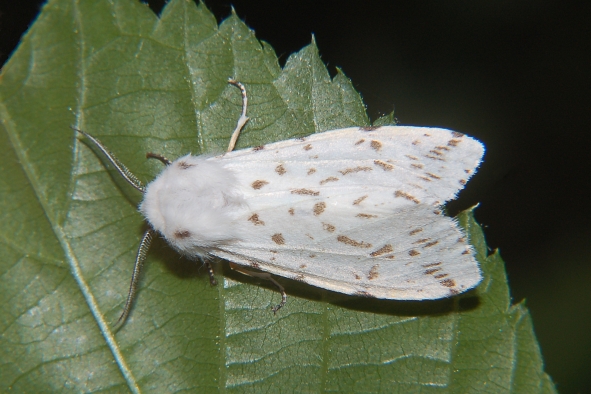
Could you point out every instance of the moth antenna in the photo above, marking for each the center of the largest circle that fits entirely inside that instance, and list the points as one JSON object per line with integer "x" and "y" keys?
{"x": 163, "y": 159}
{"x": 140, "y": 258}
{"x": 243, "y": 118}
{"x": 124, "y": 171}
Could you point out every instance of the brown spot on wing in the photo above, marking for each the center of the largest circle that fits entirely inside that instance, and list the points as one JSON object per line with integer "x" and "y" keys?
{"x": 328, "y": 227}
{"x": 415, "y": 231}
{"x": 432, "y": 243}
{"x": 359, "y": 200}
{"x": 255, "y": 265}
{"x": 278, "y": 239}
{"x": 369, "y": 128}
{"x": 431, "y": 271}
{"x": 311, "y": 171}
{"x": 365, "y": 294}
{"x": 381, "y": 251}
{"x": 417, "y": 166}
{"x": 305, "y": 192}
{"x": 448, "y": 283}
{"x": 376, "y": 145}
{"x": 319, "y": 207}
{"x": 436, "y": 152}
{"x": 355, "y": 169}
{"x": 423, "y": 240}
{"x": 366, "y": 216}
{"x": 432, "y": 264}
{"x": 256, "y": 185}
{"x": 361, "y": 141}
{"x": 433, "y": 175}
{"x": 373, "y": 272}
{"x": 255, "y": 220}
{"x": 457, "y": 134}
{"x": 462, "y": 182}
{"x": 413, "y": 252}
{"x": 280, "y": 169}
{"x": 291, "y": 211}
{"x": 308, "y": 147}
{"x": 303, "y": 266}
{"x": 407, "y": 196}
{"x": 357, "y": 276}
{"x": 440, "y": 276}
{"x": 351, "y": 242}
{"x": 329, "y": 179}
{"x": 258, "y": 148}
{"x": 385, "y": 166}
{"x": 183, "y": 165}
{"x": 434, "y": 157}
{"x": 416, "y": 142}
{"x": 442, "y": 148}
{"x": 412, "y": 157}
{"x": 453, "y": 142}
{"x": 182, "y": 234}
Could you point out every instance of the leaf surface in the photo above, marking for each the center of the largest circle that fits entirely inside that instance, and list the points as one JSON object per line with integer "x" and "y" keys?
{"x": 71, "y": 229}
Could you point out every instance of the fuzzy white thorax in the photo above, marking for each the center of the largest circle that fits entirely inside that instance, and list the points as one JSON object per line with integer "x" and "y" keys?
{"x": 192, "y": 203}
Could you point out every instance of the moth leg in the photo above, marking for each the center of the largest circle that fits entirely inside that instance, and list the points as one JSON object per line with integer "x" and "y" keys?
{"x": 212, "y": 280}
{"x": 140, "y": 258}
{"x": 163, "y": 159}
{"x": 243, "y": 118}
{"x": 267, "y": 276}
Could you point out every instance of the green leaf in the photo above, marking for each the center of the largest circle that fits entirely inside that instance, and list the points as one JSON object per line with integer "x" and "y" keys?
{"x": 70, "y": 227}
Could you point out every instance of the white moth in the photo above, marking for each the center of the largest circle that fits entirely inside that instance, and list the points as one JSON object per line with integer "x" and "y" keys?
{"x": 354, "y": 210}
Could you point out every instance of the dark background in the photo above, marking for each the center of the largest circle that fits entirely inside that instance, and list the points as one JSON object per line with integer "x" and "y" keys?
{"x": 514, "y": 74}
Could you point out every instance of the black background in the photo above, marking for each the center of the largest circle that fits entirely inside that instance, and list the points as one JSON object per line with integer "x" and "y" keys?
{"x": 514, "y": 74}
